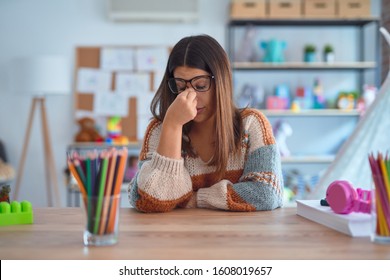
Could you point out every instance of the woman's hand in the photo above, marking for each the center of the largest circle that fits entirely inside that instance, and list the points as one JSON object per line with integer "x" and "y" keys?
{"x": 183, "y": 109}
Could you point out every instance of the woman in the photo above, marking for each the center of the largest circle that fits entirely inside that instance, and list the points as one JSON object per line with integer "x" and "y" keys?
{"x": 200, "y": 150}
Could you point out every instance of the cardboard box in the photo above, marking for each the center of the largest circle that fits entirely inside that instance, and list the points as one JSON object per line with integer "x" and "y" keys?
{"x": 354, "y": 8}
{"x": 248, "y": 9}
{"x": 285, "y": 9}
{"x": 319, "y": 8}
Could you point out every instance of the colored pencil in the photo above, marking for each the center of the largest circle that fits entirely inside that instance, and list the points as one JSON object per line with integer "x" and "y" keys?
{"x": 79, "y": 182}
{"x": 77, "y": 177}
{"x": 108, "y": 187}
{"x": 380, "y": 176}
{"x": 93, "y": 169}
{"x": 102, "y": 182}
{"x": 100, "y": 178}
{"x": 80, "y": 171}
{"x": 117, "y": 189}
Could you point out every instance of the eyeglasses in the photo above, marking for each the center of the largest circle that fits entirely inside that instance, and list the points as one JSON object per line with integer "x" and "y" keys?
{"x": 198, "y": 83}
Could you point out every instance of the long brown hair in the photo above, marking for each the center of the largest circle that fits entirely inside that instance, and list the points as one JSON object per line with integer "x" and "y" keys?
{"x": 204, "y": 52}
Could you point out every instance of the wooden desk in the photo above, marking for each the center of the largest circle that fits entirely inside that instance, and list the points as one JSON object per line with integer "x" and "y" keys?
{"x": 186, "y": 234}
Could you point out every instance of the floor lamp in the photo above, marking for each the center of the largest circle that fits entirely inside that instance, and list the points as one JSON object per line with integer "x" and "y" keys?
{"x": 39, "y": 77}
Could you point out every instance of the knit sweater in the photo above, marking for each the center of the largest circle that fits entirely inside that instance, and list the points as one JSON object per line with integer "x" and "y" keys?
{"x": 253, "y": 179}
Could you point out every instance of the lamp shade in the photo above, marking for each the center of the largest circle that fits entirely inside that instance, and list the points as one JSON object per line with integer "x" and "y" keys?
{"x": 41, "y": 75}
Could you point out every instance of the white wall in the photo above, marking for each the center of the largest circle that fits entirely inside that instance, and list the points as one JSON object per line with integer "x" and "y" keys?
{"x": 37, "y": 27}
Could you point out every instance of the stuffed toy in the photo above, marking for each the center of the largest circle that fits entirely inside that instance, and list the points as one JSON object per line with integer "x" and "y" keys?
{"x": 282, "y": 130}
{"x": 273, "y": 50}
{"x": 7, "y": 172}
{"x": 88, "y": 132}
{"x": 4, "y": 193}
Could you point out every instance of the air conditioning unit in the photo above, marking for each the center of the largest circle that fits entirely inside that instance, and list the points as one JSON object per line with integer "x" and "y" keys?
{"x": 153, "y": 10}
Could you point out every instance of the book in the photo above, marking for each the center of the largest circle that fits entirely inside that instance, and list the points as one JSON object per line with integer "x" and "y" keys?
{"x": 353, "y": 224}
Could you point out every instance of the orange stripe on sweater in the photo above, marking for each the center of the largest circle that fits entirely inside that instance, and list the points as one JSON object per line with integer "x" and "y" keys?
{"x": 236, "y": 203}
{"x": 207, "y": 180}
{"x": 149, "y": 204}
{"x": 265, "y": 125}
{"x": 262, "y": 177}
{"x": 145, "y": 146}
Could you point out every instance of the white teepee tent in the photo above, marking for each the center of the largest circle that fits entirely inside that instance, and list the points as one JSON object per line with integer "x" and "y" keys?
{"x": 372, "y": 134}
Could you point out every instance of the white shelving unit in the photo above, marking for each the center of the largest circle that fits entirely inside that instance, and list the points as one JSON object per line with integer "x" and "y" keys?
{"x": 304, "y": 65}
{"x": 308, "y": 159}
{"x": 311, "y": 113}
{"x": 317, "y": 133}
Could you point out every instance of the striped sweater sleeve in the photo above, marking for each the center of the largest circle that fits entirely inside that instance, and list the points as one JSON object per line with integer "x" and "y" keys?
{"x": 261, "y": 184}
{"x": 161, "y": 184}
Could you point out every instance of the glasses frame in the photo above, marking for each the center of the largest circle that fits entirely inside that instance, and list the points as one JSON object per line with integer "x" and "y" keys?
{"x": 211, "y": 77}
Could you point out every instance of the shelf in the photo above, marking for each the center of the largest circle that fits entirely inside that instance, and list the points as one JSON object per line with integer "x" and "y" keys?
{"x": 5, "y": 182}
{"x": 84, "y": 147}
{"x": 311, "y": 152}
{"x": 308, "y": 159}
{"x": 311, "y": 113}
{"x": 306, "y": 22}
{"x": 103, "y": 145}
{"x": 304, "y": 65}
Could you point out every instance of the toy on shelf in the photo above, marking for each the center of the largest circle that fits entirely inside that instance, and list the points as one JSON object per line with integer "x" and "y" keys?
{"x": 4, "y": 193}
{"x": 304, "y": 98}
{"x": 288, "y": 195}
{"x": 293, "y": 180}
{"x": 131, "y": 169}
{"x": 280, "y": 100}
{"x": 246, "y": 50}
{"x": 282, "y": 130}
{"x": 7, "y": 172}
{"x": 301, "y": 185}
{"x": 283, "y": 91}
{"x": 273, "y": 50}
{"x": 251, "y": 96}
{"x": 295, "y": 107}
{"x": 276, "y": 103}
{"x": 367, "y": 98}
{"x": 346, "y": 100}
{"x": 88, "y": 132}
{"x": 318, "y": 95}
{"x": 16, "y": 213}
{"x": 114, "y": 131}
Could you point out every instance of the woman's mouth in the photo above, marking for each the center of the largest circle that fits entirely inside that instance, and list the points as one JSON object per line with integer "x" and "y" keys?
{"x": 200, "y": 110}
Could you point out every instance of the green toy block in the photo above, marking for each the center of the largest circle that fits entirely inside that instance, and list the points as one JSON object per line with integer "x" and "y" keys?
{"x": 16, "y": 213}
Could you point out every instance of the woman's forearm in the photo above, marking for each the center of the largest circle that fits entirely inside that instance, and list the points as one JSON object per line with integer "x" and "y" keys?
{"x": 170, "y": 140}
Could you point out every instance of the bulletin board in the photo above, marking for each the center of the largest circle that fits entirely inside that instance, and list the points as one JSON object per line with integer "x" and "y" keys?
{"x": 150, "y": 62}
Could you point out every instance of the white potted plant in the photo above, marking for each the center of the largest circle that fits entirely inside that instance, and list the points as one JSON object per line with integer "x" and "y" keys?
{"x": 328, "y": 53}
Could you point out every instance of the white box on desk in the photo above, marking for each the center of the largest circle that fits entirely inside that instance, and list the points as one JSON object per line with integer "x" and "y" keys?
{"x": 353, "y": 224}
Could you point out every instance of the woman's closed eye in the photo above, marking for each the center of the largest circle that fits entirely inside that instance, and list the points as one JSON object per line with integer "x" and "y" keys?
{"x": 201, "y": 87}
